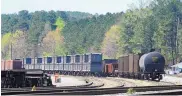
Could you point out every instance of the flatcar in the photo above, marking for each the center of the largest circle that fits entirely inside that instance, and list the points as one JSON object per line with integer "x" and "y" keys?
{"x": 14, "y": 76}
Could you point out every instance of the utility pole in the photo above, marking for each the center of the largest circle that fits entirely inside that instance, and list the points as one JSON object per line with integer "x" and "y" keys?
{"x": 11, "y": 49}
{"x": 177, "y": 47}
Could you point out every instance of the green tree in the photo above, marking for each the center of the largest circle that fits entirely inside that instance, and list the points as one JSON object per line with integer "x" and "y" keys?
{"x": 110, "y": 45}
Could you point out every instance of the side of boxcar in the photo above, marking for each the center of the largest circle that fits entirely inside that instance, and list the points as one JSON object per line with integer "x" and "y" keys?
{"x": 91, "y": 62}
{"x": 11, "y": 65}
{"x": 110, "y": 66}
{"x": 128, "y": 66}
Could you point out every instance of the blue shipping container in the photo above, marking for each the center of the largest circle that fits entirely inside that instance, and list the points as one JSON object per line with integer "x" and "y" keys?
{"x": 39, "y": 60}
{"x": 28, "y": 60}
{"x": 96, "y": 58}
{"x": 68, "y": 59}
{"x": 86, "y": 57}
{"x": 77, "y": 58}
{"x": 58, "y": 59}
{"x": 49, "y": 59}
{"x": 96, "y": 67}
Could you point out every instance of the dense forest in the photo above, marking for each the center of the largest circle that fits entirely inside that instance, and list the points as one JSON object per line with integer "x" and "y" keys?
{"x": 157, "y": 25}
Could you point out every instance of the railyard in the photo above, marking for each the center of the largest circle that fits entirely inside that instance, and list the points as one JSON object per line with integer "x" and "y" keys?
{"x": 87, "y": 74}
{"x": 61, "y": 47}
{"x": 89, "y": 85}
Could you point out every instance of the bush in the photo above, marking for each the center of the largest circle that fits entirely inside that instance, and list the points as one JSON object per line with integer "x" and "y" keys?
{"x": 131, "y": 91}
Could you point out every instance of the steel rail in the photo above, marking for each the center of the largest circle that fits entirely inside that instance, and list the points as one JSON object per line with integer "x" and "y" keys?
{"x": 94, "y": 91}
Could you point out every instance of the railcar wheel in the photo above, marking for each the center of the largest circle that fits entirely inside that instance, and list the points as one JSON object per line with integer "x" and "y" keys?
{"x": 153, "y": 79}
{"x": 142, "y": 77}
{"x": 146, "y": 77}
{"x": 160, "y": 77}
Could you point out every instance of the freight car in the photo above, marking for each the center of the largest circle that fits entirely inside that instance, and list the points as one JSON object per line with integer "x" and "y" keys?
{"x": 149, "y": 66}
{"x": 92, "y": 64}
{"x": 152, "y": 65}
{"x": 79, "y": 64}
{"x": 110, "y": 67}
{"x": 14, "y": 76}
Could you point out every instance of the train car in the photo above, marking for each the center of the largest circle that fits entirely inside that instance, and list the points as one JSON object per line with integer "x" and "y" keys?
{"x": 11, "y": 64}
{"x": 152, "y": 65}
{"x": 13, "y": 75}
{"x": 69, "y": 64}
{"x": 59, "y": 63}
{"x": 129, "y": 66}
{"x": 95, "y": 62}
{"x": 149, "y": 66}
{"x": 28, "y": 63}
{"x": 110, "y": 66}
{"x": 134, "y": 65}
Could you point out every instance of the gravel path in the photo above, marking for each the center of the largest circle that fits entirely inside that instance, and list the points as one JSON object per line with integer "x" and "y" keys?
{"x": 100, "y": 80}
{"x": 135, "y": 82}
{"x": 68, "y": 81}
{"x": 173, "y": 79}
{"x": 116, "y": 81}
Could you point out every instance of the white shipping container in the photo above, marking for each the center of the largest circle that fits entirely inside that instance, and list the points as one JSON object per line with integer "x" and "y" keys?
{"x": 56, "y": 66}
{"x": 79, "y": 67}
{"x": 60, "y": 66}
{"x": 43, "y": 67}
{"x": 30, "y": 66}
{"x": 47, "y": 66}
{"x": 73, "y": 67}
{"x": 86, "y": 67}
{"x": 70, "y": 67}
{"x": 38, "y": 66}
{"x": 65, "y": 67}
{"x": 51, "y": 66}
{"x": 25, "y": 66}
{"x": 33, "y": 61}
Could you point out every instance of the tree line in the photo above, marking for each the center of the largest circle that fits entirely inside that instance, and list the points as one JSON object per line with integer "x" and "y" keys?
{"x": 157, "y": 25}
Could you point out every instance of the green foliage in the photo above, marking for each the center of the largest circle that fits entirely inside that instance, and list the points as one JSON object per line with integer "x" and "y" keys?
{"x": 45, "y": 54}
{"x": 110, "y": 44}
{"x": 131, "y": 91}
{"x": 138, "y": 30}
{"x": 60, "y": 23}
{"x": 156, "y": 26}
{"x": 5, "y": 45}
{"x": 86, "y": 35}
{"x": 5, "y": 40}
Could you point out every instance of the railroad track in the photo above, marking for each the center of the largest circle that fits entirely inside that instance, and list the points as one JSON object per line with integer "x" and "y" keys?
{"x": 93, "y": 91}
{"x": 169, "y": 92}
{"x": 50, "y": 88}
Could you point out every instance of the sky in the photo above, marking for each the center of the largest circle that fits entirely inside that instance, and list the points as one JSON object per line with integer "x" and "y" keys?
{"x": 90, "y": 6}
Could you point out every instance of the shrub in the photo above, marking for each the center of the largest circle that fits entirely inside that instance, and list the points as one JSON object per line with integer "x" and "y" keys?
{"x": 131, "y": 91}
